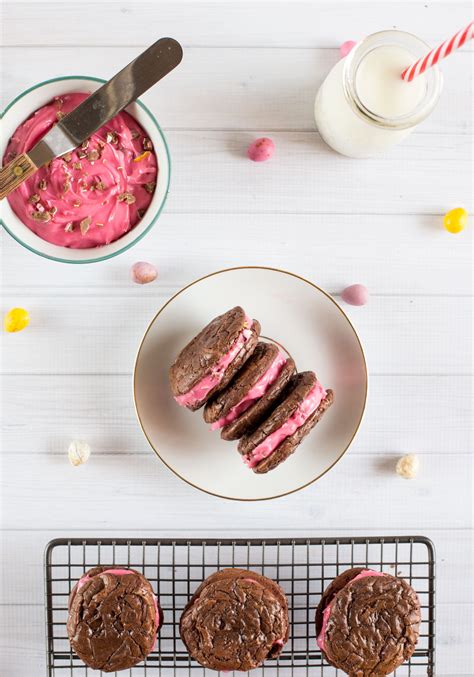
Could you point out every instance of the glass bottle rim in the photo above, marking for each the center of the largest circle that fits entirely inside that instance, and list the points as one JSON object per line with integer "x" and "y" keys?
{"x": 434, "y": 79}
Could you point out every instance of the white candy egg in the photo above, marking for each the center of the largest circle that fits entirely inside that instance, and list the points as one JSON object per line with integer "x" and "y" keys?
{"x": 78, "y": 452}
{"x": 408, "y": 466}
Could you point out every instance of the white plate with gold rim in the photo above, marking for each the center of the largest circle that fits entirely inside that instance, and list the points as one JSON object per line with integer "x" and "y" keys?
{"x": 295, "y": 313}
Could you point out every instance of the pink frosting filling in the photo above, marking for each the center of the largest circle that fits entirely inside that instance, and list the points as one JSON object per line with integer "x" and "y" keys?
{"x": 308, "y": 406}
{"x": 92, "y": 197}
{"x": 211, "y": 380}
{"x": 321, "y": 639}
{"x": 123, "y": 572}
{"x": 255, "y": 393}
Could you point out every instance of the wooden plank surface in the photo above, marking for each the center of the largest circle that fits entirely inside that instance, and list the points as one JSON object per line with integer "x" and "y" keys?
{"x": 335, "y": 250}
{"x": 270, "y": 24}
{"x": 267, "y": 89}
{"x": 250, "y": 69}
{"x": 99, "y": 333}
{"x": 116, "y": 483}
{"x": 90, "y": 404}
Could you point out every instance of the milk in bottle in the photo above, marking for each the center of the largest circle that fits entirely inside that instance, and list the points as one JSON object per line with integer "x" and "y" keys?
{"x": 364, "y": 107}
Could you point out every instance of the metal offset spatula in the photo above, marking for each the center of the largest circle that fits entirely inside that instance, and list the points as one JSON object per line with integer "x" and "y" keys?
{"x": 74, "y": 128}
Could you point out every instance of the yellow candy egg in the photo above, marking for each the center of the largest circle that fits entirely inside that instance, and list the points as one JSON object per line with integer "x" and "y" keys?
{"x": 16, "y": 319}
{"x": 455, "y": 220}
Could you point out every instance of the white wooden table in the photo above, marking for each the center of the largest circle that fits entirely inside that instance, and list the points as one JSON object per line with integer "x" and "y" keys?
{"x": 249, "y": 69}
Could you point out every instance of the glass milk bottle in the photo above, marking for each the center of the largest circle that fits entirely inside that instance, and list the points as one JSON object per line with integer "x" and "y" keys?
{"x": 364, "y": 107}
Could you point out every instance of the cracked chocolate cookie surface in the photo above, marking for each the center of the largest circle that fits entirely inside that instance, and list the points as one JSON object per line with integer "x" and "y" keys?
{"x": 373, "y": 623}
{"x": 113, "y": 619}
{"x": 236, "y": 620}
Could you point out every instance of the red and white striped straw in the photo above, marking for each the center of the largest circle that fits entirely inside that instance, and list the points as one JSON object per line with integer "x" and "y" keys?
{"x": 439, "y": 53}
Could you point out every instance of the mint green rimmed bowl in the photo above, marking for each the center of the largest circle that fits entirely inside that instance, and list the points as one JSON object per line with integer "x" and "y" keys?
{"x": 20, "y": 109}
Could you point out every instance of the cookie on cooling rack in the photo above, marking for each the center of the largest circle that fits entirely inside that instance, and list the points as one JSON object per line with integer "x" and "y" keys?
{"x": 368, "y": 622}
{"x": 236, "y": 620}
{"x": 113, "y": 618}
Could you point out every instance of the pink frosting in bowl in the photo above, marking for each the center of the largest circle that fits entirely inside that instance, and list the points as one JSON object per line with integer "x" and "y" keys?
{"x": 93, "y": 195}
{"x": 132, "y": 207}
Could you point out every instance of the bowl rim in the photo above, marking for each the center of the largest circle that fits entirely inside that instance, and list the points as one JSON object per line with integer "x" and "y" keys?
{"x": 96, "y": 259}
{"x": 305, "y": 485}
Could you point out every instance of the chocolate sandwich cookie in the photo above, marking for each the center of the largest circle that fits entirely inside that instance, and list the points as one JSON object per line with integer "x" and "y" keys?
{"x": 368, "y": 622}
{"x": 210, "y": 361}
{"x": 236, "y": 620}
{"x": 277, "y": 437}
{"x": 113, "y": 618}
{"x": 243, "y": 404}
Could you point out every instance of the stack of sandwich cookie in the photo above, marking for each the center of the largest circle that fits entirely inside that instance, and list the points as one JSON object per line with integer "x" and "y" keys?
{"x": 249, "y": 389}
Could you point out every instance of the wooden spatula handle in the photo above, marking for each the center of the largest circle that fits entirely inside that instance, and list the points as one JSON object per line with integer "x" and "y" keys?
{"x": 14, "y": 173}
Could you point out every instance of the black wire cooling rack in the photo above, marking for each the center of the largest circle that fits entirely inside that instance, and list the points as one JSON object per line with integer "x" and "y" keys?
{"x": 175, "y": 568}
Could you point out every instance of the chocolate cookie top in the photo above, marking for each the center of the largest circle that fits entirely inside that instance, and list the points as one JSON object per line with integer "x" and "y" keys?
{"x": 373, "y": 624}
{"x": 236, "y": 620}
{"x": 201, "y": 356}
{"x": 333, "y": 588}
{"x": 113, "y": 619}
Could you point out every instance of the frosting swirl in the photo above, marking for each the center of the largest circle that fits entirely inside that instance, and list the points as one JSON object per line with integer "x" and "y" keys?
{"x": 93, "y": 195}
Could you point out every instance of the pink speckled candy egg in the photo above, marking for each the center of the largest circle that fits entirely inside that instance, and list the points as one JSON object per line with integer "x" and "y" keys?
{"x": 355, "y": 295}
{"x": 261, "y": 149}
{"x": 346, "y": 47}
{"x": 143, "y": 272}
